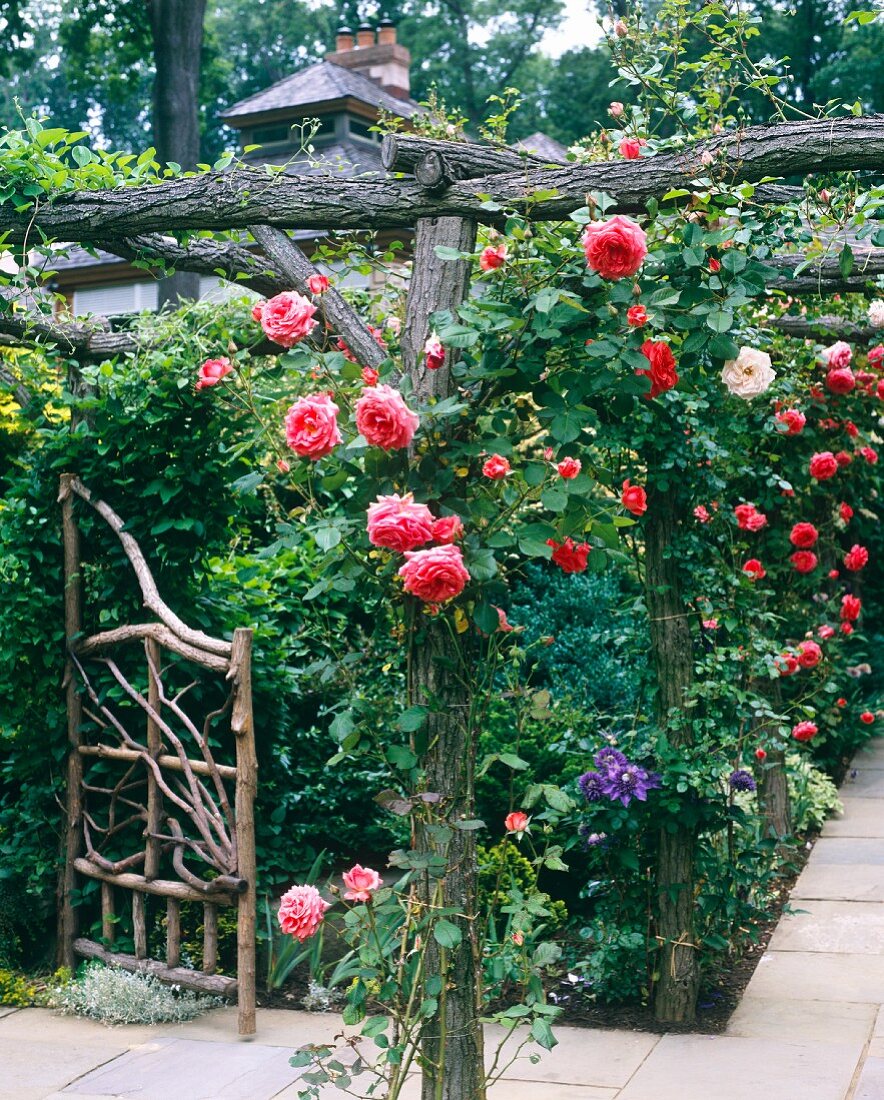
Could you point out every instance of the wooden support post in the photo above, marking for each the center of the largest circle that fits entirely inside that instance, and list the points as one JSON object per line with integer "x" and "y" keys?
{"x": 451, "y": 1040}
{"x": 139, "y": 923}
{"x": 108, "y": 917}
{"x": 675, "y": 998}
{"x": 173, "y": 932}
{"x": 155, "y": 748}
{"x": 73, "y": 830}
{"x": 210, "y": 938}
{"x": 242, "y": 724}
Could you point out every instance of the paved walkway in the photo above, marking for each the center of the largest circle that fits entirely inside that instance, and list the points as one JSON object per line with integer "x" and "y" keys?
{"x": 810, "y": 1027}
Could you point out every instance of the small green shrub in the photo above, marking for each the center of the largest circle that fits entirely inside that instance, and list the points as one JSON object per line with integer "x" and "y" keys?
{"x": 812, "y": 793}
{"x": 118, "y": 997}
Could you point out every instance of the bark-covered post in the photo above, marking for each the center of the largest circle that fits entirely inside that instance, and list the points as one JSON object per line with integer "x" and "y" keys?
{"x": 451, "y": 1041}
{"x": 177, "y": 31}
{"x": 242, "y": 724}
{"x": 73, "y": 626}
{"x": 773, "y": 789}
{"x": 678, "y": 983}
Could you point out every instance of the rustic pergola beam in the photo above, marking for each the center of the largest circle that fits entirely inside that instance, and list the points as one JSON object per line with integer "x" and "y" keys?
{"x": 828, "y": 326}
{"x": 247, "y": 196}
{"x": 288, "y": 259}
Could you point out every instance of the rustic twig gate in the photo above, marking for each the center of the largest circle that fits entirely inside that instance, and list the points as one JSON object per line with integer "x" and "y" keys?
{"x": 178, "y": 804}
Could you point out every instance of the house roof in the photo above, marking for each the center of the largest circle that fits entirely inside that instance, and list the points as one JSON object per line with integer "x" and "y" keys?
{"x": 543, "y": 146}
{"x": 340, "y": 158}
{"x": 319, "y": 83}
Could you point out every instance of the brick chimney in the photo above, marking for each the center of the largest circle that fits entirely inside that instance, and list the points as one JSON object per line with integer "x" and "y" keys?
{"x": 382, "y": 59}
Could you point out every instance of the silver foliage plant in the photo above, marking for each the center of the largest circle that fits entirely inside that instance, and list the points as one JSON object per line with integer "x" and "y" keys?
{"x": 118, "y": 997}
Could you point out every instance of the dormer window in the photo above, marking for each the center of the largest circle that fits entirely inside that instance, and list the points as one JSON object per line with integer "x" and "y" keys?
{"x": 285, "y": 133}
{"x": 359, "y": 128}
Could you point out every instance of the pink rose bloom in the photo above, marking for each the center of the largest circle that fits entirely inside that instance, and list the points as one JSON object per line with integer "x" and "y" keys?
{"x": 616, "y": 109}
{"x": 631, "y": 148}
{"x": 749, "y": 518}
{"x": 805, "y": 731}
{"x": 809, "y": 654}
{"x": 569, "y": 468}
{"x": 257, "y": 310}
{"x": 851, "y": 606}
{"x": 370, "y": 376}
{"x": 840, "y": 380}
{"x": 212, "y": 371}
{"x": 384, "y": 419}
{"x": 496, "y": 468}
{"x": 311, "y": 426}
{"x": 710, "y": 624}
{"x": 701, "y": 512}
{"x": 825, "y": 632}
{"x": 794, "y": 420}
{"x": 288, "y": 318}
{"x": 492, "y": 257}
{"x": 837, "y": 356}
{"x": 361, "y": 883}
{"x": 398, "y": 523}
{"x": 823, "y": 465}
{"x": 503, "y": 624}
{"x": 434, "y": 352}
{"x": 447, "y": 529}
{"x": 516, "y": 822}
{"x": 435, "y": 575}
{"x": 301, "y": 910}
{"x": 318, "y": 284}
{"x": 869, "y": 454}
{"x": 847, "y": 628}
{"x": 615, "y": 248}
{"x": 843, "y": 458}
{"x": 856, "y": 558}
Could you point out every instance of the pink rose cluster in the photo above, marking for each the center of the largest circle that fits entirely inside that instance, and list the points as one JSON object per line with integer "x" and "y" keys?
{"x": 399, "y": 523}
{"x": 302, "y": 908}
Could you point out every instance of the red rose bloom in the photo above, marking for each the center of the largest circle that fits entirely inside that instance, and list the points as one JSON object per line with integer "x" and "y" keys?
{"x": 318, "y": 284}
{"x": 842, "y": 702}
{"x": 809, "y": 654}
{"x": 636, "y": 316}
{"x": 846, "y": 512}
{"x": 370, "y": 376}
{"x": 701, "y": 512}
{"x": 786, "y": 664}
{"x": 754, "y": 570}
{"x": 794, "y": 420}
{"x": 851, "y": 606}
{"x": 851, "y": 428}
{"x": 569, "y": 556}
{"x": 804, "y": 561}
{"x": 804, "y": 535}
{"x": 805, "y": 731}
{"x": 492, "y": 257}
{"x": 847, "y": 628}
{"x": 823, "y": 465}
{"x": 631, "y": 148}
{"x": 867, "y": 717}
{"x": 869, "y": 454}
{"x": 844, "y": 458}
{"x": 760, "y": 754}
{"x": 662, "y": 371}
{"x": 569, "y": 468}
{"x": 876, "y": 355}
{"x": 856, "y": 558}
{"x": 840, "y": 381}
{"x": 634, "y": 499}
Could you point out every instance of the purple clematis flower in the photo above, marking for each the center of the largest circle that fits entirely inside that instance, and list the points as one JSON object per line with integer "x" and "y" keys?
{"x": 609, "y": 757}
{"x": 592, "y": 784}
{"x": 629, "y": 781}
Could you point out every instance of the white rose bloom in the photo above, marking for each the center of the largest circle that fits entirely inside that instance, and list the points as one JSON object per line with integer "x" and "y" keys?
{"x": 749, "y": 375}
{"x": 876, "y": 313}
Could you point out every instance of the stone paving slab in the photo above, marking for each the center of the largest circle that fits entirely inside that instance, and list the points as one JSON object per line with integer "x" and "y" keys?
{"x": 854, "y": 849}
{"x": 819, "y": 976}
{"x": 722, "y": 1067}
{"x": 856, "y": 927}
{"x": 196, "y": 1069}
{"x": 31, "y": 1070}
{"x": 871, "y": 1080}
{"x": 862, "y": 817}
{"x": 838, "y": 882}
{"x": 843, "y": 1024}
{"x": 869, "y": 783}
{"x": 7, "y": 1010}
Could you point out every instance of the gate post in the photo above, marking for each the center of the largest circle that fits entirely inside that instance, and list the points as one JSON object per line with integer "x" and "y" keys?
{"x": 246, "y": 786}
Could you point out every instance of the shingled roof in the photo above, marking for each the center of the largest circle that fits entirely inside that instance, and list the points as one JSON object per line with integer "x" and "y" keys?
{"x": 320, "y": 83}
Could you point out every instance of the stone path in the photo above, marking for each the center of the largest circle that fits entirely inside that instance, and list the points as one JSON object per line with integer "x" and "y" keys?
{"x": 810, "y": 1026}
